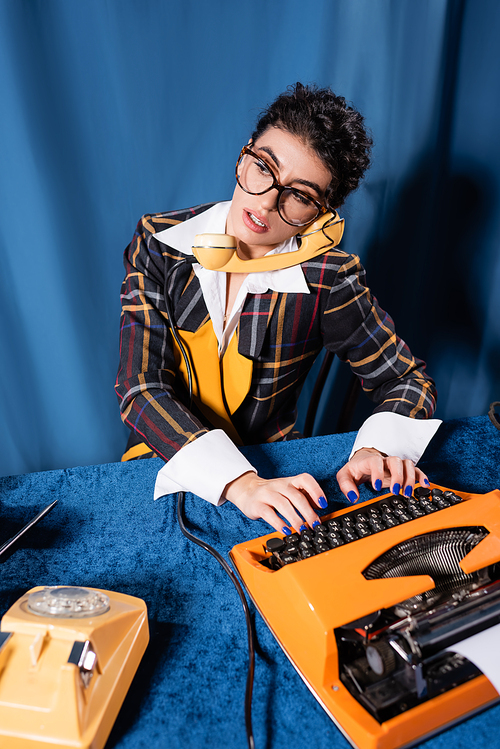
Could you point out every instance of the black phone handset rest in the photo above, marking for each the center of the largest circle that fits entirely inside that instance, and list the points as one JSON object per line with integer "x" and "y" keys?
{"x": 218, "y": 251}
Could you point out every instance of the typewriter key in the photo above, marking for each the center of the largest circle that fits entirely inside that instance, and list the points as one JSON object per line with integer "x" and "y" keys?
{"x": 363, "y": 531}
{"x": 333, "y": 525}
{"x": 320, "y": 548}
{"x": 306, "y": 553}
{"x": 334, "y": 538}
{"x": 441, "y": 503}
{"x": 305, "y": 545}
{"x": 427, "y": 506}
{"x": 349, "y": 535}
{"x": 334, "y": 542}
{"x": 288, "y": 558}
{"x": 275, "y": 544}
{"x": 452, "y": 497}
{"x": 421, "y": 491}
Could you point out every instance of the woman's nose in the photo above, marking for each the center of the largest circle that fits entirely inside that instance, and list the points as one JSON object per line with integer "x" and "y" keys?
{"x": 269, "y": 200}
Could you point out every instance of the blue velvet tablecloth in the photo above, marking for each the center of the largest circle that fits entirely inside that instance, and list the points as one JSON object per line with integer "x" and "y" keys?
{"x": 107, "y": 532}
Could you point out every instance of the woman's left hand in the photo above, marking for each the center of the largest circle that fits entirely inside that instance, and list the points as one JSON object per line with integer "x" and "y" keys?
{"x": 381, "y": 470}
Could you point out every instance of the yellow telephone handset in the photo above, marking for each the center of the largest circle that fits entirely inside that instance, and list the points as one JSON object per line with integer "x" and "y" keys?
{"x": 218, "y": 251}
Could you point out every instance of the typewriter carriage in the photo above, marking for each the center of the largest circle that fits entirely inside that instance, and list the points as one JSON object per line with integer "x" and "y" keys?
{"x": 397, "y": 658}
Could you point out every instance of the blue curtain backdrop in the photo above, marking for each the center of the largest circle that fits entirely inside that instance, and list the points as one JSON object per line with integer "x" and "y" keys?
{"x": 114, "y": 108}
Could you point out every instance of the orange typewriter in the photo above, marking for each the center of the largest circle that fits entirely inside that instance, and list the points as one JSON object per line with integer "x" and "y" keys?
{"x": 369, "y": 606}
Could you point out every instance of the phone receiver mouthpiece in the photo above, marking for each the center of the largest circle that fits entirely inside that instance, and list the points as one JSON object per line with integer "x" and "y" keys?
{"x": 213, "y": 251}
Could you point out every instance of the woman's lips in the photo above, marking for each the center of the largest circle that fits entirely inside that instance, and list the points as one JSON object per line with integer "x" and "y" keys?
{"x": 252, "y": 225}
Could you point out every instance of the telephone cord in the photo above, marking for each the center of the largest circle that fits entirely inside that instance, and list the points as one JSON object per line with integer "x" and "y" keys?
{"x": 180, "y": 518}
{"x": 251, "y": 648}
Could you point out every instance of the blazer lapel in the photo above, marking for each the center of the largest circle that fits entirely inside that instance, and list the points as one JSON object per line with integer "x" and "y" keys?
{"x": 255, "y": 318}
{"x": 190, "y": 309}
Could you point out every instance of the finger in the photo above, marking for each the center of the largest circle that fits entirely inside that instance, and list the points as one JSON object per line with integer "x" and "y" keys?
{"x": 396, "y": 470}
{"x": 374, "y": 466}
{"x": 268, "y": 514}
{"x": 292, "y": 502}
{"x": 307, "y": 484}
{"x": 347, "y": 485}
{"x": 270, "y": 502}
{"x": 409, "y": 477}
{"x": 421, "y": 477}
{"x": 311, "y": 496}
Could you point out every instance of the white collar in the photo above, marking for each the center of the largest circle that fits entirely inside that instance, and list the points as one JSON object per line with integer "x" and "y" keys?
{"x": 213, "y": 221}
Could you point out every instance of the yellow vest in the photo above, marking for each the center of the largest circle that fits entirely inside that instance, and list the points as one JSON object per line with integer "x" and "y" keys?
{"x": 219, "y": 385}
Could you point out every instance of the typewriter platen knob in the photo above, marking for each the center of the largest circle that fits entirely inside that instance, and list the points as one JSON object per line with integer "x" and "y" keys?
{"x": 381, "y": 658}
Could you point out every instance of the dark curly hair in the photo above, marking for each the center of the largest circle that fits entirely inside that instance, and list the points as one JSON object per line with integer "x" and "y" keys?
{"x": 334, "y": 130}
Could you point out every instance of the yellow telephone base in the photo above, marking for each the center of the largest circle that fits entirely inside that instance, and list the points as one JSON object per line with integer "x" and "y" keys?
{"x": 46, "y": 699}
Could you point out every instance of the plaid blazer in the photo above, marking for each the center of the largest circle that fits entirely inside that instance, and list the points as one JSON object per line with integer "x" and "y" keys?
{"x": 281, "y": 332}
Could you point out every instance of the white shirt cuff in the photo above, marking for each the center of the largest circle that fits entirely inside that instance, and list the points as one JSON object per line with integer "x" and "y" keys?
{"x": 203, "y": 467}
{"x": 394, "y": 434}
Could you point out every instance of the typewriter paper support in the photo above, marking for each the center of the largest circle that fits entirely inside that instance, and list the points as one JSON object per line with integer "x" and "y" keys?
{"x": 370, "y": 625}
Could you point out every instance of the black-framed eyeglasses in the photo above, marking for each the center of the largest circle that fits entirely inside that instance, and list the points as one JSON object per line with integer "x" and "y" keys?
{"x": 256, "y": 177}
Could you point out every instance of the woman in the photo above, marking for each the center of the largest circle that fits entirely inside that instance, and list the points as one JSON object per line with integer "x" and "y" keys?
{"x": 253, "y": 337}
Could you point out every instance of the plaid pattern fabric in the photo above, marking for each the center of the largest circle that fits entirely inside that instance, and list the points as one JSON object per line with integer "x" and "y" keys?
{"x": 281, "y": 332}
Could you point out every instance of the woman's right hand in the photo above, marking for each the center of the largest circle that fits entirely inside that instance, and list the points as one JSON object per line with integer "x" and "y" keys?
{"x": 293, "y": 497}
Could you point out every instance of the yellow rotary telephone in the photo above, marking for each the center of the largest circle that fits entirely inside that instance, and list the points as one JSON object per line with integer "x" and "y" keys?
{"x": 67, "y": 658}
{"x": 218, "y": 251}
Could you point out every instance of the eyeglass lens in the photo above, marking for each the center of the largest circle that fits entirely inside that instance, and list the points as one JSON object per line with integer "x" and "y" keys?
{"x": 255, "y": 177}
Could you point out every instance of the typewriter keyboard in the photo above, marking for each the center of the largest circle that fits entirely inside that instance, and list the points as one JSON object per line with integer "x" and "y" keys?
{"x": 357, "y": 524}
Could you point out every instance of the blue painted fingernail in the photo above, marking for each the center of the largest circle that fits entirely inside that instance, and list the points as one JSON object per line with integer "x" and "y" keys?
{"x": 303, "y": 528}
{"x": 322, "y": 502}
{"x": 286, "y": 530}
{"x": 426, "y": 482}
{"x": 396, "y": 489}
{"x": 352, "y": 496}
{"x": 378, "y": 485}
{"x": 316, "y": 524}
{"x": 408, "y": 491}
